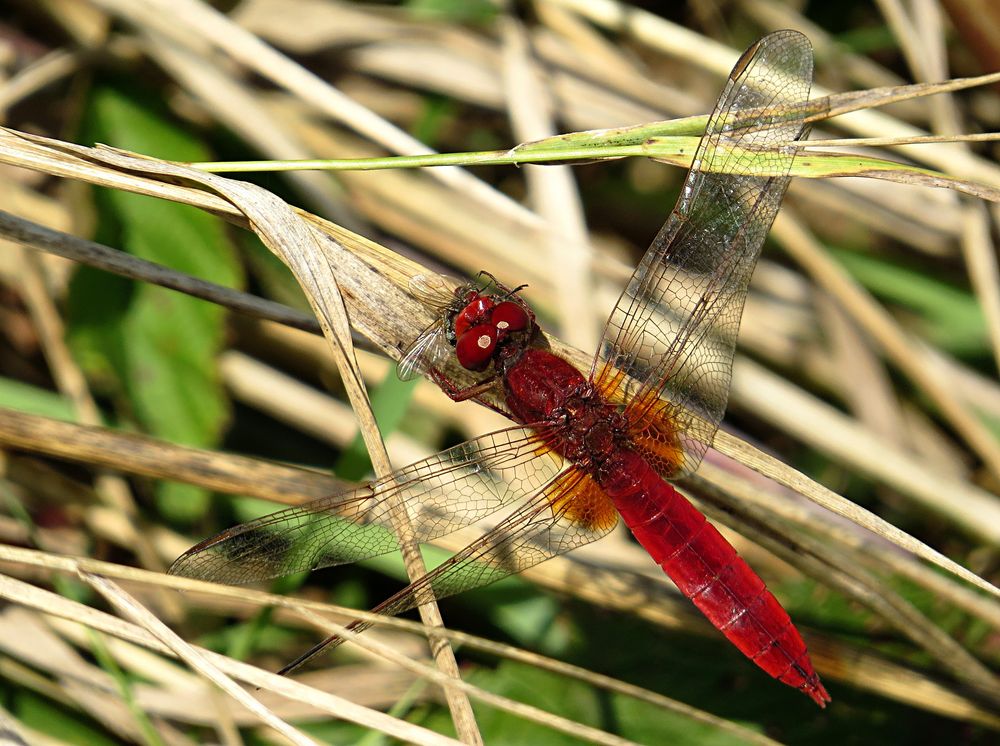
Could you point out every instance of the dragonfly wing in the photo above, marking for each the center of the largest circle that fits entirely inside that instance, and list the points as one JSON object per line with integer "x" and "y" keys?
{"x": 440, "y": 494}
{"x": 427, "y": 352}
{"x": 430, "y": 349}
{"x": 672, "y": 334}
{"x": 435, "y": 291}
{"x": 570, "y": 511}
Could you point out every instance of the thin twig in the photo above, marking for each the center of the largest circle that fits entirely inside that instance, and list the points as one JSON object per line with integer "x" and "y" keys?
{"x": 102, "y": 257}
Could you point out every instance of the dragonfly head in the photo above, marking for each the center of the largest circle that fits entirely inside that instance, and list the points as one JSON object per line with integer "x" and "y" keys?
{"x": 488, "y": 324}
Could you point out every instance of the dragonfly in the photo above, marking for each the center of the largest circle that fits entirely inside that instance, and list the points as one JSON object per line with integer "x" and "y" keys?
{"x": 586, "y": 450}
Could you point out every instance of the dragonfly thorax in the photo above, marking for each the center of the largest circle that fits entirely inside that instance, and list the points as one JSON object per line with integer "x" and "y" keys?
{"x": 592, "y": 429}
{"x": 544, "y": 388}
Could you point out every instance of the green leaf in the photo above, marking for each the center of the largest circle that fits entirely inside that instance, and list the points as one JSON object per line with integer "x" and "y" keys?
{"x": 389, "y": 404}
{"x": 155, "y": 349}
{"x": 556, "y": 694}
{"x": 454, "y": 11}
{"x": 27, "y": 398}
{"x": 436, "y": 113}
{"x": 868, "y": 39}
{"x": 948, "y": 316}
{"x": 646, "y": 723}
{"x": 532, "y": 622}
{"x": 60, "y": 723}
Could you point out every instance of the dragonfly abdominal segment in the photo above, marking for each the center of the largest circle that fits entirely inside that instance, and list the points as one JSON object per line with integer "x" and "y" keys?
{"x": 706, "y": 569}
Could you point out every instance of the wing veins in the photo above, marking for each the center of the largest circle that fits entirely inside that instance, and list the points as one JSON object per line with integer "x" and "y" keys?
{"x": 676, "y": 322}
{"x": 310, "y": 536}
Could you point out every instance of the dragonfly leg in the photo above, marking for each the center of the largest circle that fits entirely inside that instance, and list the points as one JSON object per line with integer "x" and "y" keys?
{"x": 475, "y": 391}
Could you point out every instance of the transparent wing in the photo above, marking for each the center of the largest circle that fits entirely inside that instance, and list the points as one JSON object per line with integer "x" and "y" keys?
{"x": 434, "y": 290}
{"x": 440, "y": 494}
{"x": 430, "y": 349}
{"x": 572, "y": 510}
{"x": 427, "y": 352}
{"x": 672, "y": 334}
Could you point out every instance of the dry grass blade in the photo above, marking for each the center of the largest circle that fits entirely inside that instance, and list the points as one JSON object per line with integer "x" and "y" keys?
{"x": 785, "y": 475}
{"x": 48, "y": 69}
{"x": 151, "y": 457}
{"x": 845, "y": 103}
{"x": 981, "y": 259}
{"x": 129, "y": 607}
{"x": 11, "y": 731}
{"x": 51, "y": 603}
{"x": 880, "y": 142}
{"x": 905, "y": 175}
{"x": 528, "y": 712}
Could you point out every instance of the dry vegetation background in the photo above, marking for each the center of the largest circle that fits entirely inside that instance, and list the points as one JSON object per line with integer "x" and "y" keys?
{"x": 136, "y": 420}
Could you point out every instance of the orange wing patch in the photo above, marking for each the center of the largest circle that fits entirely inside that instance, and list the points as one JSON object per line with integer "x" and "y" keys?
{"x": 610, "y": 381}
{"x": 575, "y": 496}
{"x": 652, "y": 423}
{"x": 654, "y": 434}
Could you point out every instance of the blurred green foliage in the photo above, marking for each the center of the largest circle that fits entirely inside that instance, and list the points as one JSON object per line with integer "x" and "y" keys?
{"x": 944, "y": 314}
{"x": 454, "y": 11}
{"x": 154, "y": 349}
{"x": 33, "y": 400}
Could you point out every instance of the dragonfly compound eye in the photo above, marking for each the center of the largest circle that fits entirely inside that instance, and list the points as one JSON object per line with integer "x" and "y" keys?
{"x": 474, "y": 313}
{"x": 475, "y": 348}
{"x": 509, "y": 317}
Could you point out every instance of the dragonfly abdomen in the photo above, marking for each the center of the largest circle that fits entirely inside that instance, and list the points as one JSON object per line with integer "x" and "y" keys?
{"x": 707, "y": 569}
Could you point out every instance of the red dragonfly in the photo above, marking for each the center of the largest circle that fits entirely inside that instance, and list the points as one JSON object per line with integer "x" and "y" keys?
{"x": 588, "y": 449}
